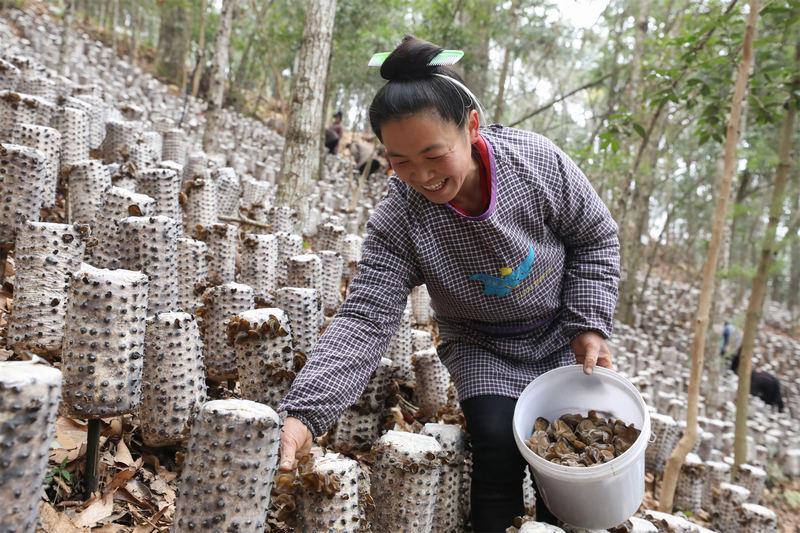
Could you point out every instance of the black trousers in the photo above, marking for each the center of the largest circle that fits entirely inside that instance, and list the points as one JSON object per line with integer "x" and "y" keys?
{"x": 497, "y": 466}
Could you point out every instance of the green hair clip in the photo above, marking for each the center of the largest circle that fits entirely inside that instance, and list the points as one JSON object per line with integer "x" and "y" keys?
{"x": 445, "y": 57}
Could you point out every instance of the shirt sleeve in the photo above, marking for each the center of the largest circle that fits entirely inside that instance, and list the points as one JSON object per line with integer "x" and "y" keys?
{"x": 347, "y": 354}
{"x": 590, "y": 236}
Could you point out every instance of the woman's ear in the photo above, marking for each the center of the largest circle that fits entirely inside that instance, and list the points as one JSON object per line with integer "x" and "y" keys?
{"x": 473, "y": 124}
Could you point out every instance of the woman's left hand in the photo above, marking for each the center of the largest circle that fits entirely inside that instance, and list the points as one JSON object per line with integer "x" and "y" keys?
{"x": 591, "y": 349}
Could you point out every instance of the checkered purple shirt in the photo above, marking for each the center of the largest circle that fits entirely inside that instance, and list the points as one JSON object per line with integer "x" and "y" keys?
{"x": 510, "y": 288}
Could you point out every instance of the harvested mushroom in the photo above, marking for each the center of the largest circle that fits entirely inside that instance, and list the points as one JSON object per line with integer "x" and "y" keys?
{"x": 575, "y": 440}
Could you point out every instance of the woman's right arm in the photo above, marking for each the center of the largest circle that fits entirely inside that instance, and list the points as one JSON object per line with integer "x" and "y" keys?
{"x": 347, "y": 354}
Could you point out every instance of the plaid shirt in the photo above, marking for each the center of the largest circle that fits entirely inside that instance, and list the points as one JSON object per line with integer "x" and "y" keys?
{"x": 510, "y": 288}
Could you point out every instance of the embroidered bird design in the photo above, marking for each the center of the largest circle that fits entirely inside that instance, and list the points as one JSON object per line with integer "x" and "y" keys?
{"x": 509, "y": 278}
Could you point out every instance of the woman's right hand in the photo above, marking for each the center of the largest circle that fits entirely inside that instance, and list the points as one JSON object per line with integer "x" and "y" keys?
{"x": 296, "y": 441}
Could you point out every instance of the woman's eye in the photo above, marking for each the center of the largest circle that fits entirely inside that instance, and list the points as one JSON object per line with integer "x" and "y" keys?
{"x": 434, "y": 158}
{"x": 397, "y": 163}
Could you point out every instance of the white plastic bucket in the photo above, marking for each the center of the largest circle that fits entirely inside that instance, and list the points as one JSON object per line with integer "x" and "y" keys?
{"x": 595, "y": 497}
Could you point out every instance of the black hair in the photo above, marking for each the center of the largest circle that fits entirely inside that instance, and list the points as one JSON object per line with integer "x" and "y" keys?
{"x": 414, "y": 86}
{"x": 338, "y": 114}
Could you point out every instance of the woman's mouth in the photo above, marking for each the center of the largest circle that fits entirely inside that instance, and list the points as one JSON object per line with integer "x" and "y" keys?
{"x": 436, "y": 186}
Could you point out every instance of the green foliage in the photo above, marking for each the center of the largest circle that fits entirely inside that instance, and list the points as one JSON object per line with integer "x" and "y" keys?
{"x": 59, "y": 472}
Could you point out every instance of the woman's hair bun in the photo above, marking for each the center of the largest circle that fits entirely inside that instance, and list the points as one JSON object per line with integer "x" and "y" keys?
{"x": 409, "y": 61}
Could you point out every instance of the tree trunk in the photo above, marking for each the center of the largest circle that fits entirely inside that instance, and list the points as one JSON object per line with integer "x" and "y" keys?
{"x": 201, "y": 50}
{"x": 135, "y": 14}
{"x": 476, "y": 60}
{"x": 300, "y": 162}
{"x": 172, "y": 42}
{"x": 630, "y": 231}
{"x": 755, "y": 305}
{"x": 710, "y": 267}
{"x": 499, "y": 103}
{"x": 112, "y": 27}
{"x": 63, "y": 49}
{"x": 794, "y": 257}
{"x": 219, "y": 69}
{"x": 244, "y": 62}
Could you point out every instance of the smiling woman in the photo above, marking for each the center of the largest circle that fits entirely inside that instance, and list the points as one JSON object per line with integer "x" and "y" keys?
{"x": 518, "y": 253}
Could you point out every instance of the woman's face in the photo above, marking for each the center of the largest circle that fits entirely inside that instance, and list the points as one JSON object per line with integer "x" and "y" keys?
{"x": 431, "y": 155}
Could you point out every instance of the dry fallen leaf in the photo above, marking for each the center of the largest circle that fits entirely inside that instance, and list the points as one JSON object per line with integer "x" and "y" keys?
{"x": 123, "y": 455}
{"x": 97, "y": 511}
{"x": 168, "y": 475}
{"x": 120, "y": 479}
{"x": 111, "y": 528}
{"x": 52, "y": 521}
{"x": 70, "y": 433}
{"x": 161, "y": 487}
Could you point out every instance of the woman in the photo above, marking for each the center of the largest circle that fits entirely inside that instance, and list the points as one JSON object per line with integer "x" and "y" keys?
{"x": 519, "y": 255}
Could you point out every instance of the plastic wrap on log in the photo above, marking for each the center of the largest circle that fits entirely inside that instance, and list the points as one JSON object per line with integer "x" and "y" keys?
{"x": 9, "y": 75}
{"x": 29, "y": 398}
{"x": 361, "y": 424}
{"x": 164, "y": 186}
{"x": 150, "y": 245}
{"x": 73, "y": 124}
{"x": 173, "y": 379}
{"x": 89, "y": 183}
{"x": 228, "y": 189}
{"x": 289, "y": 245}
{"x": 46, "y": 255}
{"x": 400, "y": 349}
{"x": 229, "y": 468}
{"x": 200, "y": 204}
{"x": 22, "y": 177}
{"x": 104, "y": 342}
{"x": 433, "y": 382}
{"x": 305, "y": 271}
{"x": 305, "y": 312}
{"x": 222, "y": 242}
{"x": 192, "y": 273}
{"x": 447, "y": 516}
{"x": 19, "y": 108}
{"x": 259, "y": 262}
{"x": 332, "y": 272}
{"x": 120, "y": 203}
{"x": 405, "y": 482}
{"x": 48, "y": 142}
{"x": 175, "y": 146}
{"x": 262, "y": 339}
{"x": 220, "y": 304}
{"x": 120, "y": 136}
{"x": 329, "y": 497}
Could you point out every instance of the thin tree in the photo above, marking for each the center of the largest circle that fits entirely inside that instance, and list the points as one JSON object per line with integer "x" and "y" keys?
{"x": 201, "y": 50}
{"x": 219, "y": 70}
{"x": 63, "y": 49}
{"x": 769, "y": 248}
{"x": 172, "y": 31}
{"x": 723, "y": 187}
{"x": 300, "y": 162}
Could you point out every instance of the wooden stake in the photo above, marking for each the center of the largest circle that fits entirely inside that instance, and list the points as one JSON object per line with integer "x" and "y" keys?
{"x": 3, "y": 256}
{"x": 92, "y": 456}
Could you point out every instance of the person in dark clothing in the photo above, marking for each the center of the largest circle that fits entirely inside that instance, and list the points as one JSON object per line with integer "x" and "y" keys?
{"x": 762, "y": 384}
{"x": 333, "y": 133}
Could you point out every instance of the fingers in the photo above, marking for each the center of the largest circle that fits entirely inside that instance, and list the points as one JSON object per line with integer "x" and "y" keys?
{"x": 288, "y": 450}
{"x": 295, "y": 443}
{"x": 605, "y": 358}
{"x": 590, "y": 360}
{"x": 591, "y": 350}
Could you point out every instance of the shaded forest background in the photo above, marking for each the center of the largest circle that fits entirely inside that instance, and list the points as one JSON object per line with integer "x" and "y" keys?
{"x": 639, "y": 99}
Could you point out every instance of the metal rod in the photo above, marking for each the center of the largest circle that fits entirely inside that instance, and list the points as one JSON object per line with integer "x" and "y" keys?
{"x": 3, "y": 256}
{"x": 92, "y": 456}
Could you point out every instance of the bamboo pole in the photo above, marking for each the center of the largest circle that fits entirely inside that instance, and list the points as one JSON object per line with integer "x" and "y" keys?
{"x": 723, "y": 188}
